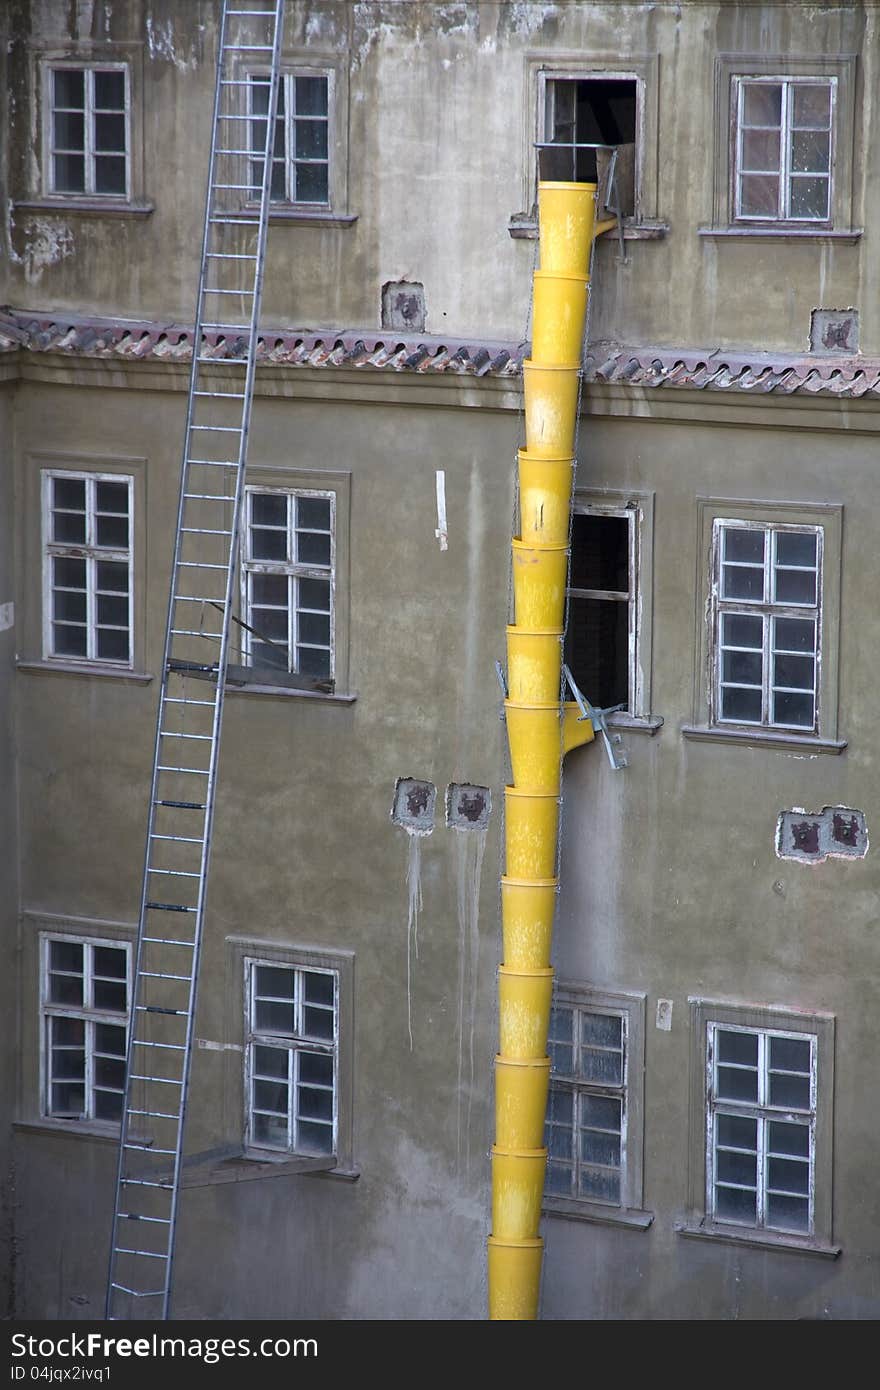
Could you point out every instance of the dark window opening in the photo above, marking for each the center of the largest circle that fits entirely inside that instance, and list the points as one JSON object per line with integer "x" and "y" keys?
{"x": 597, "y": 639}
{"x": 582, "y": 113}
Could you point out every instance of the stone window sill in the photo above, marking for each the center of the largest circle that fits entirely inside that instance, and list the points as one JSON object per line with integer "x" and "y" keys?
{"x": 649, "y": 724}
{"x": 526, "y": 229}
{"x": 758, "y": 1239}
{"x": 847, "y": 235}
{"x": 89, "y": 207}
{"x": 71, "y": 1129}
{"x": 74, "y": 668}
{"x": 567, "y": 1209}
{"x": 290, "y": 692}
{"x": 249, "y": 1165}
{"x": 764, "y": 738}
{"x": 303, "y": 217}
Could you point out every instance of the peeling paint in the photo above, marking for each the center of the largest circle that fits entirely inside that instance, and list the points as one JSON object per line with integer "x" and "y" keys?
{"x": 161, "y": 46}
{"x": 47, "y": 242}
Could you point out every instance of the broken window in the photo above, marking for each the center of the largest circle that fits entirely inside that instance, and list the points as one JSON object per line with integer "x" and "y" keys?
{"x": 87, "y": 571}
{"x": 292, "y": 1053}
{"x": 761, "y": 1127}
{"x": 88, "y": 130}
{"x": 301, "y": 149}
{"x": 601, "y": 631}
{"x": 84, "y": 1006}
{"x": 288, "y": 569}
{"x": 768, "y": 594}
{"x": 581, "y": 113}
{"x": 783, "y": 148}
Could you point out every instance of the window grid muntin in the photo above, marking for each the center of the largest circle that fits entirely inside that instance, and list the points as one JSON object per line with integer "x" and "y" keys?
{"x": 785, "y": 174}
{"x": 286, "y": 121}
{"x": 294, "y": 571}
{"x": 91, "y": 554}
{"x": 630, "y": 597}
{"x": 90, "y": 111}
{"x": 91, "y": 1016}
{"x": 764, "y": 1114}
{"x": 295, "y": 1045}
{"x": 579, "y": 1088}
{"x": 770, "y": 612}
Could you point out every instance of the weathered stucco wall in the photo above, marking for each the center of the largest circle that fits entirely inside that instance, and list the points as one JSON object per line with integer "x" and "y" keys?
{"x": 8, "y": 837}
{"x": 436, "y": 121}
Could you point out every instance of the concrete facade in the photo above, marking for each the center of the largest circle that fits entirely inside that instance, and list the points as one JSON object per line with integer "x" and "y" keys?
{"x": 672, "y": 886}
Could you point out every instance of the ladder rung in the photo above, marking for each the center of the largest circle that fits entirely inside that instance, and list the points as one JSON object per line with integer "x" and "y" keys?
{"x": 148, "y": 1148}
{"x": 203, "y": 738}
{"x": 218, "y": 429}
{"x": 136, "y": 1215}
{"x": 178, "y": 700}
{"x": 184, "y": 805}
{"x": 179, "y": 839}
{"x": 230, "y": 255}
{"x": 205, "y": 530}
{"x": 165, "y": 941}
{"x": 166, "y": 1047}
{"x": 247, "y": 48}
{"x": 155, "y": 1009}
{"x": 215, "y": 463}
{"x": 149, "y": 1254}
{"x": 209, "y": 289}
{"x": 234, "y": 82}
{"x": 261, "y": 14}
{"x": 200, "y": 565}
{"x": 231, "y": 328}
{"x": 142, "y": 1293}
{"x": 177, "y": 667}
{"x": 231, "y": 188}
{"x": 158, "y": 975}
{"x": 168, "y": 907}
{"x": 175, "y": 873}
{"x": 190, "y": 771}
{"x": 231, "y": 221}
{"x": 165, "y": 1081}
{"x": 208, "y": 497}
{"x": 220, "y": 396}
{"x": 192, "y": 632}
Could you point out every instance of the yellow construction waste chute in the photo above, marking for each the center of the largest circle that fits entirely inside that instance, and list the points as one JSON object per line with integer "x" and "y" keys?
{"x": 541, "y": 729}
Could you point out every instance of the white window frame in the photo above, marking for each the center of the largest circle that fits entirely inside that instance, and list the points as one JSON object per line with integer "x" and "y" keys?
{"x": 90, "y": 1015}
{"x": 783, "y": 214}
{"x": 763, "y": 1113}
{"x": 630, "y": 1009}
{"x": 88, "y": 69}
{"x": 630, "y": 513}
{"x": 288, "y": 77}
{"x": 91, "y": 553}
{"x": 293, "y": 1044}
{"x": 292, "y": 570}
{"x": 769, "y": 610}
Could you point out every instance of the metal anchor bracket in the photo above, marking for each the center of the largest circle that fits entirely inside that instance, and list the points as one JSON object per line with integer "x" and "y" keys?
{"x": 613, "y": 742}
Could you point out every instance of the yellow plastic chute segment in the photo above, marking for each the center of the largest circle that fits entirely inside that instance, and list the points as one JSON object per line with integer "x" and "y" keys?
{"x": 524, "y": 1012}
{"x": 533, "y": 664}
{"x": 520, "y": 1101}
{"x": 517, "y": 1188}
{"x": 566, "y": 217}
{"x": 575, "y": 730}
{"x": 539, "y": 575}
{"x": 514, "y": 1279}
{"x": 531, "y": 820}
{"x": 551, "y": 401}
{"x": 559, "y": 310}
{"x": 528, "y": 907}
{"x": 545, "y": 498}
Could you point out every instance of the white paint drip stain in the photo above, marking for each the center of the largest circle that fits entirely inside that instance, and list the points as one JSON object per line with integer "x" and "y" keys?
{"x": 469, "y": 851}
{"x": 414, "y": 907}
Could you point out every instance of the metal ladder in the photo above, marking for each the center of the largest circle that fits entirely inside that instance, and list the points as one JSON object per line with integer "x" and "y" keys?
{"x": 178, "y": 847}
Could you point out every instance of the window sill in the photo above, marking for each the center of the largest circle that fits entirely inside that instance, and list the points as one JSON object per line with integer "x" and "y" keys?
{"x": 526, "y": 229}
{"x": 251, "y": 1165}
{"x": 760, "y": 738}
{"x": 567, "y": 1209}
{"x": 89, "y": 207}
{"x": 73, "y": 1129}
{"x": 759, "y": 1240}
{"x": 289, "y": 692}
{"x": 303, "y": 217}
{"x": 74, "y": 668}
{"x": 847, "y": 235}
{"x": 649, "y": 724}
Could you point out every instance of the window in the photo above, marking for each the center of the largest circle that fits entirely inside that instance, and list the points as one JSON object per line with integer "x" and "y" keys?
{"x": 292, "y": 1047}
{"x": 301, "y": 151}
{"x": 761, "y": 1127}
{"x": 582, "y": 112}
{"x": 87, "y": 569}
{"x": 84, "y": 1007}
{"x": 768, "y": 623}
{"x": 594, "y": 1113}
{"x": 784, "y": 148}
{"x": 601, "y": 630}
{"x": 761, "y": 1155}
{"x": 288, "y": 581}
{"x": 88, "y": 138}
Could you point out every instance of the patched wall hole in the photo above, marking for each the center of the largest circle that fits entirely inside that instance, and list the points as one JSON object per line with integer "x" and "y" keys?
{"x": 834, "y": 330}
{"x": 813, "y": 836}
{"x": 414, "y": 803}
{"x": 403, "y": 306}
{"x": 468, "y": 807}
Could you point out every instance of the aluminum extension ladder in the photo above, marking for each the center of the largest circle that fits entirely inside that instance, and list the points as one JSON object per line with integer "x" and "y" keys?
{"x": 178, "y": 847}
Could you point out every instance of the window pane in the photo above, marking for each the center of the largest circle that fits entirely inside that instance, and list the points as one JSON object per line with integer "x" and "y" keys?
{"x": 600, "y": 1148}
{"x": 113, "y": 645}
{"x": 68, "y": 641}
{"x": 794, "y": 635}
{"x": 110, "y": 134}
{"x": 110, "y": 1038}
{"x": 795, "y": 548}
{"x": 318, "y": 1023}
{"x": 788, "y": 1213}
{"x": 315, "y": 1138}
{"x": 790, "y": 1092}
{"x": 600, "y": 1112}
{"x": 760, "y": 151}
{"x": 809, "y": 198}
{"x": 69, "y": 528}
{"x": 735, "y": 1204}
{"x": 270, "y": 1095}
{"x": 795, "y": 586}
{"x": 315, "y": 627}
{"x": 810, "y": 151}
{"x": 736, "y": 1167}
{"x": 789, "y": 1139}
{"x": 109, "y": 173}
{"x": 811, "y": 105}
{"x": 69, "y": 131}
{"x": 741, "y": 706}
{"x": 746, "y": 547}
{"x": 762, "y": 103}
{"x": 794, "y": 671}
{"x": 313, "y": 513}
{"x": 600, "y": 553}
{"x": 560, "y": 1108}
{"x": 744, "y": 668}
{"x": 269, "y": 588}
{"x": 69, "y": 574}
{"x": 270, "y": 623}
{"x": 796, "y": 710}
{"x": 112, "y": 497}
{"x": 737, "y": 1132}
{"x": 601, "y": 1187}
{"x": 68, "y": 1063}
{"x": 69, "y": 1031}
{"x": 601, "y": 1030}
{"x": 70, "y": 606}
{"x": 69, "y": 173}
{"x": 271, "y": 1061}
{"x": 112, "y": 576}
{"x": 271, "y": 1131}
{"x": 759, "y": 196}
{"x": 268, "y": 545}
{"x": 269, "y": 508}
{"x": 315, "y": 1104}
{"x": 312, "y": 548}
{"x": 65, "y": 955}
{"x": 110, "y": 1071}
{"x": 311, "y": 183}
{"x": 274, "y": 1017}
{"x": 260, "y": 98}
{"x": 790, "y": 1054}
{"x": 312, "y": 661}
{"x": 110, "y": 90}
{"x": 742, "y": 582}
{"x": 315, "y": 594}
{"x": 737, "y": 1047}
{"x": 108, "y": 1105}
{"x": 270, "y": 657}
{"x": 276, "y": 982}
{"x": 318, "y": 988}
{"x": 597, "y": 649}
{"x": 739, "y": 630}
{"x": 107, "y": 960}
{"x": 316, "y": 1067}
{"x": 113, "y": 610}
{"x": 788, "y": 1175}
{"x": 112, "y": 532}
{"x": 311, "y": 139}
{"x": 559, "y": 1179}
{"x": 108, "y": 995}
{"x": 68, "y": 1098}
{"x": 311, "y": 96}
{"x": 69, "y": 87}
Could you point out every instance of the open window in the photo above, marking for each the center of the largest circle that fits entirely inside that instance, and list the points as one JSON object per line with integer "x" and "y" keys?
{"x": 586, "y": 122}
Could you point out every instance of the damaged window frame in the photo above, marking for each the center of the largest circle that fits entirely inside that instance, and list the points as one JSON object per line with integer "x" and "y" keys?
{"x": 783, "y": 217}
{"x": 550, "y": 80}
{"x": 293, "y": 571}
{"x": 770, "y": 611}
{"x": 629, "y": 1008}
{"x": 293, "y": 1043}
{"x": 89, "y": 153}
{"x": 91, "y": 1017}
{"x": 287, "y": 79}
{"x": 630, "y": 515}
{"x": 91, "y": 554}
{"x": 707, "y": 1019}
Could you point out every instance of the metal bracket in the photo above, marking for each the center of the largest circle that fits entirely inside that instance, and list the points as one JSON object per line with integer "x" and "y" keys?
{"x": 613, "y": 742}
{"x": 615, "y": 206}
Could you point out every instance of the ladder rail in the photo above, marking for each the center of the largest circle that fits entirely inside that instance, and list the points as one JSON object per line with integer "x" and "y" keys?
{"x": 145, "y": 939}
